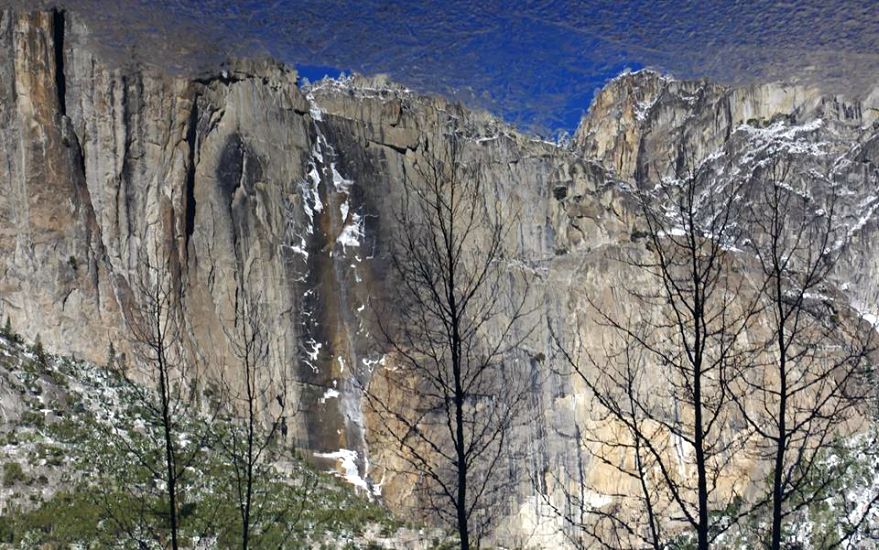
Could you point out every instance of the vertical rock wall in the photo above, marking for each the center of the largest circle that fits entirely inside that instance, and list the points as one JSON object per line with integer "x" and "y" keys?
{"x": 254, "y": 189}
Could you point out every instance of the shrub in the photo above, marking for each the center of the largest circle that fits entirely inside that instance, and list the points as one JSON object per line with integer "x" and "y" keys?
{"x": 12, "y": 474}
{"x": 33, "y": 418}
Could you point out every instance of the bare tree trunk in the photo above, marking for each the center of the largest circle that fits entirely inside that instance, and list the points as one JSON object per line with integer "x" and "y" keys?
{"x": 699, "y": 446}
{"x": 248, "y": 500}
{"x": 816, "y": 369}
{"x": 463, "y": 529}
{"x": 781, "y": 439}
{"x": 460, "y": 451}
{"x": 171, "y": 480}
{"x": 168, "y": 367}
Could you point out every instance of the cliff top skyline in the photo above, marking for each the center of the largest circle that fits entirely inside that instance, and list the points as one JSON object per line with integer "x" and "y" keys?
{"x": 538, "y": 64}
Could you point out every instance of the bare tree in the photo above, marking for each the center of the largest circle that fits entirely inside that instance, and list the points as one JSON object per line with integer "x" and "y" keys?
{"x": 662, "y": 380}
{"x": 165, "y": 376}
{"x": 455, "y": 393}
{"x": 807, "y": 379}
{"x": 258, "y": 405}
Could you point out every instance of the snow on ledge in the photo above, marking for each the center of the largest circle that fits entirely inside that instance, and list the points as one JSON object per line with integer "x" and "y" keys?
{"x": 347, "y": 463}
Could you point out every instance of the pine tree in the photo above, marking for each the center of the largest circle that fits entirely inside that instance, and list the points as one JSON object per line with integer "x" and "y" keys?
{"x": 40, "y": 352}
{"x": 111, "y": 357}
{"x": 9, "y": 334}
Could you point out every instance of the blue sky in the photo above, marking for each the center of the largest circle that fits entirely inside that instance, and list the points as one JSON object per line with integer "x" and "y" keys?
{"x": 537, "y": 63}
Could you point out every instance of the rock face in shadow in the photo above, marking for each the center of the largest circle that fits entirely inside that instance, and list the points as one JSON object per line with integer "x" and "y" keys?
{"x": 250, "y": 186}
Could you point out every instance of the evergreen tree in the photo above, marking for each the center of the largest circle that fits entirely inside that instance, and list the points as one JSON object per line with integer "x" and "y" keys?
{"x": 111, "y": 357}
{"x": 40, "y": 352}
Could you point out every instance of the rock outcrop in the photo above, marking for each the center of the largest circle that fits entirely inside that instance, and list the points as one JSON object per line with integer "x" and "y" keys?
{"x": 253, "y": 186}
{"x": 644, "y": 126}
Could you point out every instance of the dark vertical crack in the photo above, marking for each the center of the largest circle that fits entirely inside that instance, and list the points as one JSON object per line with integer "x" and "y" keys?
{"x": 125, "y": 175}
{"x": 58, "y": 40}
{"x": 729, "y": 120}
{"x": 191, "y": 141}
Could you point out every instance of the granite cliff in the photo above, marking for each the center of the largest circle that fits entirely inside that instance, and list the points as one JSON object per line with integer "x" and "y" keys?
{"x": 252, "y": 184}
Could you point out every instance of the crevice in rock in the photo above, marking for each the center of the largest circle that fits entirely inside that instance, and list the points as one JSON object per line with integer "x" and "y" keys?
{"x": 58, "y": 41}
{"x": 397, "y": 148}
{"x": 95, "y": 251}
{"x": 191, "y": 141}
{"x": 223, "y": 78}
{"x": 231, "y": 168}
{"x": 125, "y": 173}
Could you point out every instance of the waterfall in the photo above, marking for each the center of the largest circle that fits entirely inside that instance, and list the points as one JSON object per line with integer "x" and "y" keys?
{"x": 324, "y": 234}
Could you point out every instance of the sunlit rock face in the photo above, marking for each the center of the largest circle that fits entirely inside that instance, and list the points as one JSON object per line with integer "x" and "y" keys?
{"x": 251, "y": 186}
{"x": 644, "y": 125}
